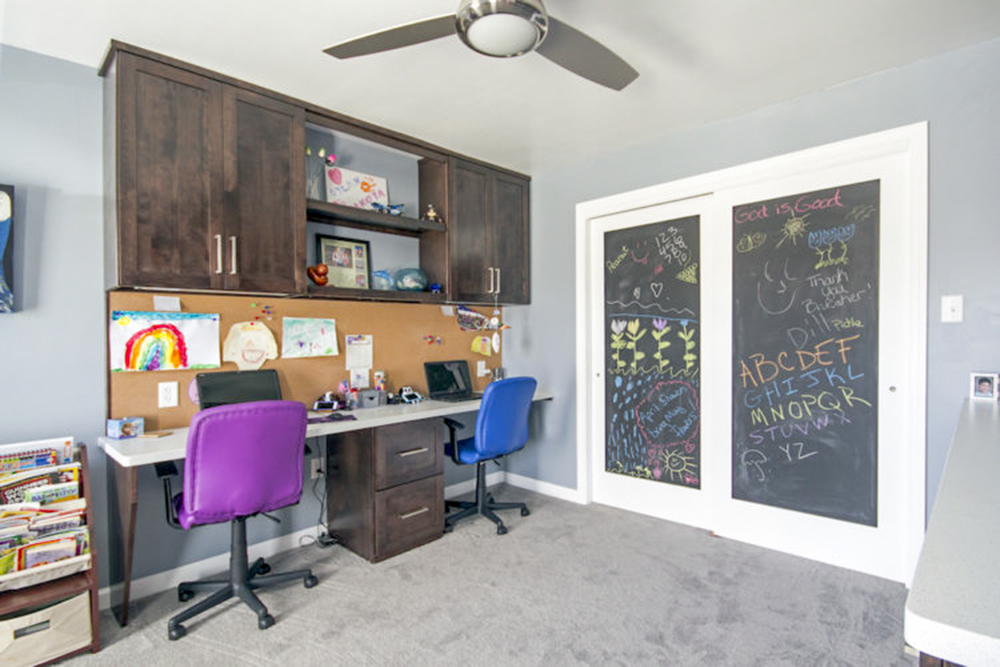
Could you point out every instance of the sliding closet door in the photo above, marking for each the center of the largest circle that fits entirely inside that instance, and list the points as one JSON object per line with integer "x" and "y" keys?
{"x": 648, "y": 360}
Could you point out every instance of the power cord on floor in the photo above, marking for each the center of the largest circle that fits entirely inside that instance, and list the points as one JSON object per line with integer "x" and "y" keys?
{"x": 323, "y": 539}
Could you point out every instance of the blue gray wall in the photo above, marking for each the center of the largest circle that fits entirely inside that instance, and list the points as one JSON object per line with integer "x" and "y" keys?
{"x": 955, "y": 93}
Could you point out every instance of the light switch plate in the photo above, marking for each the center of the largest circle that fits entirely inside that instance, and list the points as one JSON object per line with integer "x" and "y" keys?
{"x": 481, "y": 368}
{"x": 951, "y": 308}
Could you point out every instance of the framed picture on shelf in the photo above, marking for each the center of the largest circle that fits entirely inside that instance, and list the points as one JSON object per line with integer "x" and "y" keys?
{"x": 983, "y": 386}
{"x": 348, "y": 261}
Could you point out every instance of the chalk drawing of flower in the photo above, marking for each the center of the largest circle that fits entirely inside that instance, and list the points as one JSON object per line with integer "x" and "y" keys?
{"x": 618, "y": 326}
{"x": 659, "y": 323}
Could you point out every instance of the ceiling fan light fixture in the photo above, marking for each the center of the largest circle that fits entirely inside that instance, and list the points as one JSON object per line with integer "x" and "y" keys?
{"x": 502, "y": 28}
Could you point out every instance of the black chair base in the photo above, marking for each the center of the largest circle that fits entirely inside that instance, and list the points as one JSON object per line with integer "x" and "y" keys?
{"x": 483, "y": 505}
{"x": 242, "y": 582}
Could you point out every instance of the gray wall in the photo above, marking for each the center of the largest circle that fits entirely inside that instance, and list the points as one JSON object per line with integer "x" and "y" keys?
{"x": 955, "y": 93}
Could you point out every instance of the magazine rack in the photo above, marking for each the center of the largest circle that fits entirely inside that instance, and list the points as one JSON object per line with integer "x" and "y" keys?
{"x": 50, "y": 612}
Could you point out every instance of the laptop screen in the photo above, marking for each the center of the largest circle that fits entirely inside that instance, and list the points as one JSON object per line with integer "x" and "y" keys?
{"x": 229, "y": 387}
{"x": 447, "y": 378}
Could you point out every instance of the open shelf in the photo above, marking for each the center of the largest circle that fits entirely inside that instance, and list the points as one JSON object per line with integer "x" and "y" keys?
{"x": 321, "y": 211}
{"x": 326, "y": 292}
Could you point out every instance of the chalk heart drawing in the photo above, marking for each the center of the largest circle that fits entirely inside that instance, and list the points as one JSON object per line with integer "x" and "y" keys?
{"x": 657, "y": 289}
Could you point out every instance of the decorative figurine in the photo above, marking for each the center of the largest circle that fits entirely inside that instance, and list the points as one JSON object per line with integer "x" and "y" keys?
{"x": 318, "y": 273}
{"x": 431, "y": 215}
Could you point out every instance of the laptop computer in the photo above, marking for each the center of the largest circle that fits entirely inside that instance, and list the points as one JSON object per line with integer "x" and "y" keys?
{"x": 449, "y": 381}
{"x": 227, "y": 387}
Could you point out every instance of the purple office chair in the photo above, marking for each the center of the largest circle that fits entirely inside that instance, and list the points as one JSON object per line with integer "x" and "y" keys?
{"x": 242, "y": 459}
{"x": 501, "y": 429}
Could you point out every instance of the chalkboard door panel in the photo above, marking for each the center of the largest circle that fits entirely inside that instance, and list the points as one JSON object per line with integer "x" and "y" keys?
{"x": 650, "y": 326}
{"x": 805, "y": 351}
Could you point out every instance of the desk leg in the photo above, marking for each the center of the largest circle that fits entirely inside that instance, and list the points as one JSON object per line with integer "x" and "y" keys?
{"x": 122, "y": 501}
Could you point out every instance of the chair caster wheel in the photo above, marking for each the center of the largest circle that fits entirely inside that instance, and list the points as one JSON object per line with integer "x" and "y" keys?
{"x": 310, "y": 581}
{"x": 265, "y": 621}
{"x": 183, "y": 595}
{"x": 448, "y": 528}
{"x": 525, "y": 511}
{"x": 176, "y": 632}
{"x": 264, "y": 568}
{"x": 501, "y": 529}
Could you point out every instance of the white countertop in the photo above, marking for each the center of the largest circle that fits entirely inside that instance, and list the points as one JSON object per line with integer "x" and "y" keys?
{"x": 144, "y": 451}
{"x": 953, "y": 609}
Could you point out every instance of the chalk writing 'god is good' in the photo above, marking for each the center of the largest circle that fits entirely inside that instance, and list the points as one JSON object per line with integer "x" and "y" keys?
{"x": 803, "y": 204}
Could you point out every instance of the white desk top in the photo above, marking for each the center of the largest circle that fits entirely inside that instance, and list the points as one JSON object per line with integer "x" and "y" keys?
{"x": 953, "y": 609}
{"x": 144, "y": 451}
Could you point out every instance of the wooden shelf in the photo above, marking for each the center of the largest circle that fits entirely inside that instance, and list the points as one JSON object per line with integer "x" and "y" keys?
{"x": 321, "y": 211}
{"x": 375, "y": 295}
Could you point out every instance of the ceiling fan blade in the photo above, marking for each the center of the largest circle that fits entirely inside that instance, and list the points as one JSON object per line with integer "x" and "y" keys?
{"x": 407, "y": 34}
{"x": 568, "y": 47}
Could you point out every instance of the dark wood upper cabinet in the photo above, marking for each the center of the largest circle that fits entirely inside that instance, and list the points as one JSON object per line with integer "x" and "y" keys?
{"x": 207, "y": 176}
{"x": 490, "y": 234}
{"x": 264, "y": 210}
{"x": 169, "y": 175}
{"x": 208, "y": 182}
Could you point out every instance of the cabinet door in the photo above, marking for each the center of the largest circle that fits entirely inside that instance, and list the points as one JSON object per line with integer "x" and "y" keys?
{"x": 265, "y": 215}
{"x": 169, "y": 147}
{"x": 510, "y": 238}
{"x": 470, "y": 210}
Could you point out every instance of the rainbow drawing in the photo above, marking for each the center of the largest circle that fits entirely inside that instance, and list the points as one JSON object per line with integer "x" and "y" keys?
{"x": 159, "y": 347}
{"x": 159, "y": 341}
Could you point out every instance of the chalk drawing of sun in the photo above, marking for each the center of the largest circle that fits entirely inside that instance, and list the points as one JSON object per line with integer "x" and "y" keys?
{"x": 794, "y": 228}
{"x": 679, "y": 464}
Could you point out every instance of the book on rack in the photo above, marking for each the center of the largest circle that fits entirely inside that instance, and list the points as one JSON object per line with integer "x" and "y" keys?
{"x": 42, "y": 513}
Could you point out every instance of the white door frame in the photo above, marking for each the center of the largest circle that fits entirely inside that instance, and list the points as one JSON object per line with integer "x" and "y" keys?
{"x": 908, "y": 143}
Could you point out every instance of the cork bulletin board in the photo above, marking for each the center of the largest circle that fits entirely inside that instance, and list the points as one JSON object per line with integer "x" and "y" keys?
{"x": 398, "y": 332}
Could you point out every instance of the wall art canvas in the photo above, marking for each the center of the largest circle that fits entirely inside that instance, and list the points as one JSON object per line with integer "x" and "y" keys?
{"x": 6, "y": 248}
{"x": 151, "y": 341}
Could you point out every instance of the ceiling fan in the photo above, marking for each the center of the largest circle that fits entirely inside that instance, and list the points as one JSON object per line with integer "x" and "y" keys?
{"x": 504, "y": 29}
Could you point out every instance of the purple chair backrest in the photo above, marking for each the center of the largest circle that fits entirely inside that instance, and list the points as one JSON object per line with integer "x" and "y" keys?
{"x": 243, "y": 459}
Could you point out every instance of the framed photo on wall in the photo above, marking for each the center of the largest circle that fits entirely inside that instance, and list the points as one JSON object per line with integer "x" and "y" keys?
{"x": 348, "y": 261}
{"x": 6, "y": 248}
{"x": 983, "y": 386}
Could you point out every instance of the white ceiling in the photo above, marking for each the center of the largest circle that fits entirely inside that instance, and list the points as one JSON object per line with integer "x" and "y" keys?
{"x": 699, "y": 60}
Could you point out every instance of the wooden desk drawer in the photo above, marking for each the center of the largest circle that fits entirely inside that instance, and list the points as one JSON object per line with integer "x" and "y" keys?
{"x": 408, "y": 452}
{"x": 408, "y": 515}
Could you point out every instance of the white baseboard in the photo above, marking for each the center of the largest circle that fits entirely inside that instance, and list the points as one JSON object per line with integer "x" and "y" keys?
{"x": 162, "y": 581}
{"x": 544, "y": 488}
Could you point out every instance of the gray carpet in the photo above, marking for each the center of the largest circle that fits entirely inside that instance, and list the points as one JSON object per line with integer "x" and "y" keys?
{"x": 569, "y": 585}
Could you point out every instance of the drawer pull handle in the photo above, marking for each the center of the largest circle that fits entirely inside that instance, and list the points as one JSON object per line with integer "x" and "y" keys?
{"x": 31, "y": 629}
{"x": 410, "y": 515}
{"x": 411, "y": 452}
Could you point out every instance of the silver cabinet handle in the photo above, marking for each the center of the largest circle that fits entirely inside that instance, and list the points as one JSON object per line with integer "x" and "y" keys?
{"x": 411, "y": 452}
{"x": 490, "y": 290}
{"x": 218, "y": 253}
{"x": 417, "y": 512}
{"x": 232, "y": 247}
{"x": 498, "y": 281}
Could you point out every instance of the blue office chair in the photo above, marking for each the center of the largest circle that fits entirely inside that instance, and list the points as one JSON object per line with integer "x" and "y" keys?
{"x": 501, "y": 429}
{"x": 242, "y": 459}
